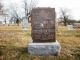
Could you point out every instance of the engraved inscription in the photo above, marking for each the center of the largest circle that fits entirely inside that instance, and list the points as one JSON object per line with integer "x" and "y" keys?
{"x": 43, "y": 24}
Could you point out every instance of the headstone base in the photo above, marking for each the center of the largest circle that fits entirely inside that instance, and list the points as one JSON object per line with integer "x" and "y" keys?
{"x": 43, "y": 49}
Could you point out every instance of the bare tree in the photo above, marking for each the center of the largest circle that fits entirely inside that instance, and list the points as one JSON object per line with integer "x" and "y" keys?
{"x": 2, "y": 11}
{"x": 28, "y": 6}
{"x": 14, "y": 15}
{"x": 65, "y": 15}
{"x": 1, "y": 6}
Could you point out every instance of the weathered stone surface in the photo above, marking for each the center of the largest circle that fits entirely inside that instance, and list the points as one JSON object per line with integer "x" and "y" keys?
{"x": 44, "y": 49}
{"x": 25, "y": 24}
{"x": 43, "y": 24}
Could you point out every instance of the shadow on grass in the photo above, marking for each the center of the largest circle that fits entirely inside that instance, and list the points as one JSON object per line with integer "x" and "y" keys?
{"x": 13, "y": 53}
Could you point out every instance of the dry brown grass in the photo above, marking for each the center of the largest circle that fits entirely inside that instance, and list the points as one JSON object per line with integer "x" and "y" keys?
{"x": 70, "y": 42}
{"x": 14, "y": 41}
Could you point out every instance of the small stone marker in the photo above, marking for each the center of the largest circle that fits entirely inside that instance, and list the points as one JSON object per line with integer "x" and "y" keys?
{"x": 70, "y": 27}
{"x": 76, "y": 25}
{"x": 43, "y": 32}
{"x": 25, "y": 24}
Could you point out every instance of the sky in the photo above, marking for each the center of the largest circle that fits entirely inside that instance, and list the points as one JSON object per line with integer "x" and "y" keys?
{"x": 72, "y": 5}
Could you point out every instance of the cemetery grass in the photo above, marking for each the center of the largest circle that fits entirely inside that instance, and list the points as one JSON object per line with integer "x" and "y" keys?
{"x": 14, "y": 42}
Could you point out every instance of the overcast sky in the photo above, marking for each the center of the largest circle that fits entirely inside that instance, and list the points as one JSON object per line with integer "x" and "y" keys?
{"x": 72, "y": 5}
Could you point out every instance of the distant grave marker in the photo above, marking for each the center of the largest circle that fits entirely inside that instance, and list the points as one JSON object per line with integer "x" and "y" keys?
{"x": 70, "y": 27}
{"x": 76, "y": 25}
{"x": 43, "y": 32}
{"x": 25, "y": 24}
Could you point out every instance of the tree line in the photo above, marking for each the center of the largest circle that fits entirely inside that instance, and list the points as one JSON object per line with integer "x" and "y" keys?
{"x": 66, "y": 18}
{"x": 14, "y": 13}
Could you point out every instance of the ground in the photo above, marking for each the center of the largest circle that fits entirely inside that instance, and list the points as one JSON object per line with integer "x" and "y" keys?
{"x": 14, "y": 42}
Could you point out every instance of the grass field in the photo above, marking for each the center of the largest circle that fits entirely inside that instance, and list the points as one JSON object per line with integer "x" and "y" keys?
{"x": 14, "y": 41}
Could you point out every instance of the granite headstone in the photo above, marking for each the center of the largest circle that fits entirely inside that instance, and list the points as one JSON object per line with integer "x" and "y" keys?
{"x": 43, "y": 25}
{"x": 43, "y": 32}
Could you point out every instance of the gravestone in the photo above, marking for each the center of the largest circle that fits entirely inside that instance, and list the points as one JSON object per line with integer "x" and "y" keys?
{"x": 70, "y": 27}
{"x": 76, "y": 25}
{"x": 43, "y": 32}
{"x": 25, "y": 24}
{"x": 43, "y": 25}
